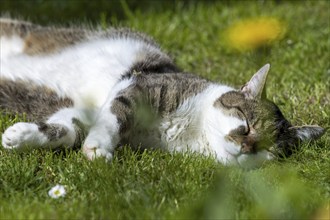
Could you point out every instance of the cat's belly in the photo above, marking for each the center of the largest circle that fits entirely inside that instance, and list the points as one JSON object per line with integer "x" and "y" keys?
{"x": 86, "y": 73}
{"x": 150, "y": 139}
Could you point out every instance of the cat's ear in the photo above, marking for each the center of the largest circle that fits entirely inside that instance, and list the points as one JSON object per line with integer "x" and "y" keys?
{"x": 308, "y": 132}
{"x": 255, "y": 88}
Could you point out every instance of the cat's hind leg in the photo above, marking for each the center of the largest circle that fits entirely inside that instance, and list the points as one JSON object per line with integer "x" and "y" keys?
{"x": 66, "y": 127}
{"x": 12, "y": 36}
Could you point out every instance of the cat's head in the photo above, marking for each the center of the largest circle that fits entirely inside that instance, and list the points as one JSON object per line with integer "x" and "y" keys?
{"x": 265, "y": 127}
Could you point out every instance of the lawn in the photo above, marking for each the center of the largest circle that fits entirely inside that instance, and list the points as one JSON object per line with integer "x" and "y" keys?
{"x": 159, "y": 185}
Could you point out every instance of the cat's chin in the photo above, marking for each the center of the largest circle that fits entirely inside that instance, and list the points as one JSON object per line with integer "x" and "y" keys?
{"x": 252, "y": 161}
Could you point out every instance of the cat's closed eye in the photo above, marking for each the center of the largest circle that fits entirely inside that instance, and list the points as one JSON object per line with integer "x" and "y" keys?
{"x": 240, "y": 131}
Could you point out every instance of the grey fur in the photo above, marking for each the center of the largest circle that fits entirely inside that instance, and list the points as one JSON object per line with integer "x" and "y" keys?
{"x": 9, "y": 27}
{"x": 157, "y": 94}
{"x": 55, "y": 132}
{"x": 49, "y": 40}
{"x": 38, "y": 102}
{"x": 81, "y": 132}
{"x": 52, "y": 131}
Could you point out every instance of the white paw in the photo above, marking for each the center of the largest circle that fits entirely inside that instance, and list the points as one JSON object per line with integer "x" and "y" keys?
{"x": 93, "y": 149}
{"x": 22, "y": 134}
{"x": 101, "y": 141}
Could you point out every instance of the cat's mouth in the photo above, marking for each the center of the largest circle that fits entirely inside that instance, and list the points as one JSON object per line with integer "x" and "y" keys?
{"x": 253, "y": 150}
{"x": 251, "y": 161}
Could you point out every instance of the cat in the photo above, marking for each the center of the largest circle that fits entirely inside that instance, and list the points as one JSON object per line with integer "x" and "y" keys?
{"x": 101, "y": 89}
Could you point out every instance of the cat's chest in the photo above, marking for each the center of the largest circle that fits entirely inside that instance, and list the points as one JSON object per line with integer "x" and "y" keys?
{"x": 170, "y": 133}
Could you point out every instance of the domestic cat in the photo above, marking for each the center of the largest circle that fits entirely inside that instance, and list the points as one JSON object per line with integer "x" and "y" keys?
{"x": 101, "y": 89}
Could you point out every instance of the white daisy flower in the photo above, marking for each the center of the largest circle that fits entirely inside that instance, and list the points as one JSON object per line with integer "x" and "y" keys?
{"x": 57, "y": 191}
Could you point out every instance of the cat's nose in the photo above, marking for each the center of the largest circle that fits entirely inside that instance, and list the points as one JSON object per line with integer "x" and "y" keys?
{"x": 248, "y": 148}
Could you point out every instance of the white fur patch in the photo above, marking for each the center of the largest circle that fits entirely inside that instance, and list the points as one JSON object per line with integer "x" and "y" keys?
{"x": 10, "y": 46}
{"x": 217, "y": 125}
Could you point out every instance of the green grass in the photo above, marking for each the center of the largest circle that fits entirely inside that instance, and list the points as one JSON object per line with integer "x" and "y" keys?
{"x": 156, "y": 184}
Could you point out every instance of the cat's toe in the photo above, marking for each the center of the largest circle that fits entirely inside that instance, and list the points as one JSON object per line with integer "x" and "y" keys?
{"x": 95, "y": 152}
{"x": 11, "y": 138}
{"x": 7, "y": 142}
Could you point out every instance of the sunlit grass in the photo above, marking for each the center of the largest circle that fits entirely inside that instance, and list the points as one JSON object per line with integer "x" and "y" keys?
{"x": 156, "y": 184}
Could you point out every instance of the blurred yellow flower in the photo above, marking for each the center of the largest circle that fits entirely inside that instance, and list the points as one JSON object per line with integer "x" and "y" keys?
{"x": 254, "y": 33}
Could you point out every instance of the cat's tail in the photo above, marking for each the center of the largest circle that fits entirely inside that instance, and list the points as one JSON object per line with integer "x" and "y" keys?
{"x": 25, "y": 37}
{"x": 11, "y": 27}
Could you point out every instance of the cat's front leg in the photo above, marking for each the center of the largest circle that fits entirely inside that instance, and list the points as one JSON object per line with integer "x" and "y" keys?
{"x": 64, "y": 128}
{"x": 36, "y": 135}
{"x": 23, "y": 134}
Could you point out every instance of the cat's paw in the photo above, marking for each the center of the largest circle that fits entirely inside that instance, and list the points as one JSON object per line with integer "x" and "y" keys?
{"x": 22, "y": 134}
{"x": 93, "y": 150}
